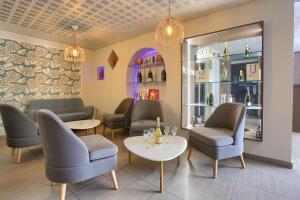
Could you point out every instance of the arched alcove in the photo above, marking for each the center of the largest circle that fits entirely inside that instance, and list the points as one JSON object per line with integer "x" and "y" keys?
{"x": 142, "y": 62}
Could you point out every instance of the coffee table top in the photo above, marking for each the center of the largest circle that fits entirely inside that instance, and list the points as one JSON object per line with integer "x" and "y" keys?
{"x": 83, "y": 124}
{"x": 156, "y": 152}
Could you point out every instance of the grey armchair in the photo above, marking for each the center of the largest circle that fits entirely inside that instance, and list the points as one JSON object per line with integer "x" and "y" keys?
{"x": 222, "y": 135}
{"x": 121, "y": 117}
{"x": 70, "y": 159}
{"x": 20, "y": 130}
{"x": 144, "y": 116}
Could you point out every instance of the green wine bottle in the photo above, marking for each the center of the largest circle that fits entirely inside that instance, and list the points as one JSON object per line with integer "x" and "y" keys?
{"x": 164, "y": 75}
{"x": 150, "y": 76}
{"x": 140, "y": 76}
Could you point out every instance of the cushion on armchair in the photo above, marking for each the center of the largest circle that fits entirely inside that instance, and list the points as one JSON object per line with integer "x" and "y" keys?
{"x": 99, "y": 147}
{"x": 216, "y": 137}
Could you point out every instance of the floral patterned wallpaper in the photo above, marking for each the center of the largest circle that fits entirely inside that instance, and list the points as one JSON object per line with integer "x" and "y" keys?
{"x": 29, "y": 71}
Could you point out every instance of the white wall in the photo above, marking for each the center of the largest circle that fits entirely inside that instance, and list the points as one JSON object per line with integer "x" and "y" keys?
{"x": 278, "y": 71}
{"x": 297, "y": 68}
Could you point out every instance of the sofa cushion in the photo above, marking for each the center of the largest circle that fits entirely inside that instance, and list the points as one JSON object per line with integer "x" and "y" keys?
{"x": 144, "y": 124}
{"x": 99, "y": 147}
{"x": 114, "y": 117}
{"x": 216, "y": 137}
{"x": 66, "y": 117}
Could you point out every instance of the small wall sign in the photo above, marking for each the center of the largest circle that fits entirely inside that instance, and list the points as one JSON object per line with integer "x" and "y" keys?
{"x": 100, "y": 73}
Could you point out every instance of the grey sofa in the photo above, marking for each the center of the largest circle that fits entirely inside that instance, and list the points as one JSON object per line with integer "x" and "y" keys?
{"x": 121, "y": 118}
{"x": 71, "y": 109}
{"x": 222, "y": 135}
{"x": 20, "y": 130}
{"x": 71, "y": 159}
{"x": 144, "y": 116}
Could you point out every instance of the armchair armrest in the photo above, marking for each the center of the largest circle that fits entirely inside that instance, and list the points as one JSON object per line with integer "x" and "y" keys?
{"x": 32, "y": 115}
{"x": 89, "y": 110}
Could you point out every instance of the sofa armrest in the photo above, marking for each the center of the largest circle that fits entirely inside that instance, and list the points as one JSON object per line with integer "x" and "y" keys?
{"x": 89, "y": 110}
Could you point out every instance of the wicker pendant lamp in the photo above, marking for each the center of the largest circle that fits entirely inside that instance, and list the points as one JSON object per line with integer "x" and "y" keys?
{"x": 74, "y": 53}
{"x": 169, "y": 31}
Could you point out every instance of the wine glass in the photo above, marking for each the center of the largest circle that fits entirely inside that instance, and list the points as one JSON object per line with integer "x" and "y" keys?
{"x": 174, "y": 131}
{"x": 167, "y": 131}
{"x": 146, "y": 135}
{"x": 151, "y": 134}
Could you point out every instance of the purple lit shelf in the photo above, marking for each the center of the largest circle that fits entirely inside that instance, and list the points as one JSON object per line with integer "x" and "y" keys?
{"x": 155, "y": 64}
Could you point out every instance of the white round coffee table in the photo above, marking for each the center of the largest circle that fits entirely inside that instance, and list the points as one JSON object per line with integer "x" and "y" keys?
{"x": 84, "y": 124}
{"x": 156, "y": 152}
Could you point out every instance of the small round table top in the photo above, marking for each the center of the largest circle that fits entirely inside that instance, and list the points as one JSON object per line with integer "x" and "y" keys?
{"x": 83, "y": 124}
{"x": 156, "y": 152}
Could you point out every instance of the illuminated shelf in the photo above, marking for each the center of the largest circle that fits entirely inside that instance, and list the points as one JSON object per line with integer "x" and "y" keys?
{"x": 254, "y": 107}
{"x": 231, "y": 57}
{"x": 226, "y": 82}
{"x": 152, "y": 64}
{"x": 148, "y": 83}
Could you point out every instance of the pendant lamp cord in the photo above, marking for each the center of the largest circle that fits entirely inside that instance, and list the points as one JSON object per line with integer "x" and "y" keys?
{"x": 169, "y": 8}
{"x": 74, "y": 38}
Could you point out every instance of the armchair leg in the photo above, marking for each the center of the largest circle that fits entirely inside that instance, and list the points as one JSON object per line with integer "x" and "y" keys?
{"x": 190, "y": 153}
{"x": 104, "y": 130}
{"x": 19, "y": 152}
{"x": 63, "y": 188}
{"x": 13, "y": 151}
{"x": 52, "y": 184}
{"x": 215, "y": 163}
{"x": 129, "y": 157}
{"x": 242, "y": 161}
{"x": 112, "y": 134}
{"x": 114, "y": 179}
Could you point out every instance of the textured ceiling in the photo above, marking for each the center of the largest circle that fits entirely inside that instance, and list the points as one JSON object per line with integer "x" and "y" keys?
{"x": 101, "y": 22}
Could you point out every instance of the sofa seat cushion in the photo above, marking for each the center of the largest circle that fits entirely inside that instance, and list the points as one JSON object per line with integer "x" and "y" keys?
{"x": 99, "y": 147}
{"x": 66, "y": 117}
{"x": 144, "y": 124}
{"x": 113, "y": 117}
{"x": 216, "y": 137}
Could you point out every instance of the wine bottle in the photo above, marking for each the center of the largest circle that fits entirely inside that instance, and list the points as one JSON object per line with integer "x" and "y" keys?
{"x": 241, "y": 76}
{"x": 248, "y": 98}
{"x": 157, "y": 132}
{"x": 163, "y": 75}
{"x": 210, "y": 99}
{"x": 258, "y": 130}
{"x": 226, "y": 52}
{"x": 150, "y": 76}
{"x": 247, "y": 51}
{"x": 140, "y": 76}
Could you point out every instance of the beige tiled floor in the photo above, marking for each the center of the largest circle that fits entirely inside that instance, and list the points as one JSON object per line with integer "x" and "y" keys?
{"x": 190, "y": 180}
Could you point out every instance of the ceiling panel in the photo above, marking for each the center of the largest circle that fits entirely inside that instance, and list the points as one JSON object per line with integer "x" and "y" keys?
{"x": 101, "y": 22}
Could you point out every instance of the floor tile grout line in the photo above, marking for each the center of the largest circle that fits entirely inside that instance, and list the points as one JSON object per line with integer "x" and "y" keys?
{"x": 145, "y": 181}
{"x": 235, "y": 185}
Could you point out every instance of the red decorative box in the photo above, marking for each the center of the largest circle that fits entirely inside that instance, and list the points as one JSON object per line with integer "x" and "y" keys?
{"x": 153, "y": 94}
